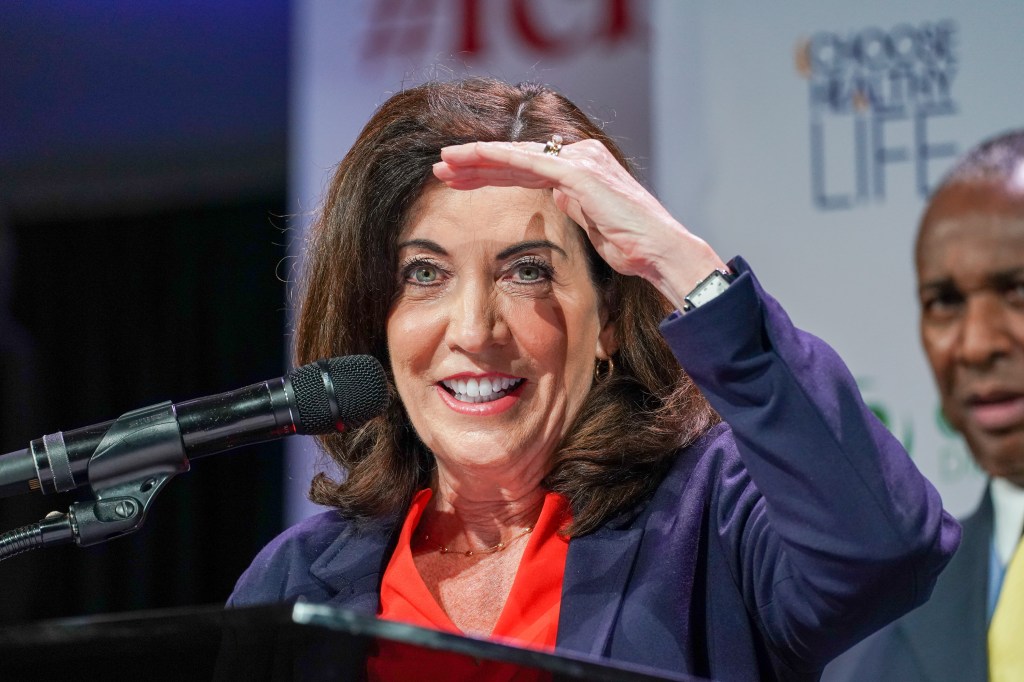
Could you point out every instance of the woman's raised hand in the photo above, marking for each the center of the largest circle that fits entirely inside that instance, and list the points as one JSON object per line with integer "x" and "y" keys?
{"x": 630, "y": 229}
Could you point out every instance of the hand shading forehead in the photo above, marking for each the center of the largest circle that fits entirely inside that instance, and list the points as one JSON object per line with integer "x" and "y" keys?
{"x": 489, "y": 219}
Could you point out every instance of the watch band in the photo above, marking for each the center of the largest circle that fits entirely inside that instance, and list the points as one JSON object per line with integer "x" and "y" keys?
{"x": 707, "y": 289}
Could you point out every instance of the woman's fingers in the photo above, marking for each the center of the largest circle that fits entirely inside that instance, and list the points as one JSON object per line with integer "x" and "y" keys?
{"x": 578, "y": 169}
{"x": 473, "y": 153}
{"x": 503, "y": 163}
{"x": 479, "y": 176}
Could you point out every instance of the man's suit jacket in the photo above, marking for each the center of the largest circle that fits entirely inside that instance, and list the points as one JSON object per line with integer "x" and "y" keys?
{"x": 945, "y": 639}
{"x": 769, "y": 546}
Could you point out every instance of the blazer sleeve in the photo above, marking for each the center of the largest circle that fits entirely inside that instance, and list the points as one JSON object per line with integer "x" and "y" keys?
{"x": 840, "y": 534}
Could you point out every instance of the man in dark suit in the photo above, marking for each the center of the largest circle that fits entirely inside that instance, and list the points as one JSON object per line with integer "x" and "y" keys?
{"x": 970, "y": 271}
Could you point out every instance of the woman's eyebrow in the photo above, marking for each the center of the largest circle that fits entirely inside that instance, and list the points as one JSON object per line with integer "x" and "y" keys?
{"x": 424, "y": 244}
{"x": 510, "y": 251}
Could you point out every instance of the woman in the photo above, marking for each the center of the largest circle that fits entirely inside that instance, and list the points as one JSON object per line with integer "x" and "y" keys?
{"x": 549, "y": 475}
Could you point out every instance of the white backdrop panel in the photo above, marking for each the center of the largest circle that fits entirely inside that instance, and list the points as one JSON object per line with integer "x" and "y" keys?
{"x": 754, "y": 106}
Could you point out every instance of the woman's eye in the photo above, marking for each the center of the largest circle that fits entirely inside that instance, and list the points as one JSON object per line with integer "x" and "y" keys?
{"x": 531, "y": 272}
{"x": 422, "y": 273}
{"x": 425, "y": 274}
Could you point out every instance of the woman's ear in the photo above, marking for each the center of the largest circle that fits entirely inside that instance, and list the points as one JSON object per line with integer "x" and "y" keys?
{"x": 607, "y": 345}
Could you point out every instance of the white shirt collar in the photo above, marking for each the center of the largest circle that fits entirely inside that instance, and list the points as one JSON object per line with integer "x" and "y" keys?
{"x": 1008, "y": 521}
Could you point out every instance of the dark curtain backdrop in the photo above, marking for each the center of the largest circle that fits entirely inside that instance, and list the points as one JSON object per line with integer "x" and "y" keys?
{"x": 110, "y": 313}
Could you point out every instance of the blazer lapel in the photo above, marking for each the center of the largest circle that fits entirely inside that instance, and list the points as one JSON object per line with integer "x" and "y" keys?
{"x": 599, "y": 565}
{"x": 352, "y": 566}
{"x": 596, "y": 571}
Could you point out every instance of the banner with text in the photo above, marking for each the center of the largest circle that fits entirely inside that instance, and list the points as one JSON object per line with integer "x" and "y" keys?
{"x": 806, "y": 137}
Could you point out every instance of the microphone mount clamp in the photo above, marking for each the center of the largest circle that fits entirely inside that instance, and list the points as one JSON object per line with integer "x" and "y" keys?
{"x": 140, "y": 452}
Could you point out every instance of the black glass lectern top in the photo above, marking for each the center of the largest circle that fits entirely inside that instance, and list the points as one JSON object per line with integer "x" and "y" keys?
{"x": 304, "y": 642}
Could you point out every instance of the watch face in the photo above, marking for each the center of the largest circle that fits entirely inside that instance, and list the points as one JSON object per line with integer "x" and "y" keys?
{"x": 710, "y": 287}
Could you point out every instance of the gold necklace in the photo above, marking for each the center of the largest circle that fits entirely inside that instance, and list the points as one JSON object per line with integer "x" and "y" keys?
{"x": 444, "y": 549}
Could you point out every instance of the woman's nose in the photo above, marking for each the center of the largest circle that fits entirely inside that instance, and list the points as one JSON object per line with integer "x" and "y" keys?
{"x": 474, "y": 323}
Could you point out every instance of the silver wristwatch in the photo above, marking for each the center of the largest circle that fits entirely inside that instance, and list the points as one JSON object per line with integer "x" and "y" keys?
{"x": 707, "y": 289}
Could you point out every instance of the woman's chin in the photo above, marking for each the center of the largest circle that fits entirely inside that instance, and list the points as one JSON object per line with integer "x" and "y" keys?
{"x": 487, "y": 452}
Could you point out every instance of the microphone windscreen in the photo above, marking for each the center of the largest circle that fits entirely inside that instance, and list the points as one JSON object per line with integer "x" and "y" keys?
{"x": 356, "y": 383}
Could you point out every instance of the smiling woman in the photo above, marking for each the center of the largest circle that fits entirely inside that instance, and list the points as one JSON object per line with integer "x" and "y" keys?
{"x": 509, "y": 297}
{"x": 553, "y": 474}
{"x": 384, "y": 189}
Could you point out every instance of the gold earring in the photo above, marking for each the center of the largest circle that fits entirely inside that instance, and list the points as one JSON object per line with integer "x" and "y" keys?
{"x": 603, "y": 369}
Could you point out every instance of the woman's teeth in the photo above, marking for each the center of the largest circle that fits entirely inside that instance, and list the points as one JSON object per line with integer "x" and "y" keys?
{"x": 481, "y": 390}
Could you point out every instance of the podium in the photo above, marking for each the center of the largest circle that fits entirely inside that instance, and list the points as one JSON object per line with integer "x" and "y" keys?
{"x": 302, "y": 642}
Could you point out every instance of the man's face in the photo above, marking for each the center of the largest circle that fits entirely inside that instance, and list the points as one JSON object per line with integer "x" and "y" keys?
{"x": 970, "y": 267}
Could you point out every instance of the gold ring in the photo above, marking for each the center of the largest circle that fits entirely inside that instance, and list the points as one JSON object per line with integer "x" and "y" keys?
{"x": 554, "y": 145}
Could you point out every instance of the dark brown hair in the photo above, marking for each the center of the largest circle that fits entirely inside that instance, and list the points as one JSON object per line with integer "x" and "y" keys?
{"x": 632, "y": 422}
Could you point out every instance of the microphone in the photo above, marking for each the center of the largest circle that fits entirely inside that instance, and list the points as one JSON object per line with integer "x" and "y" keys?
{"x": 324, "y": 396}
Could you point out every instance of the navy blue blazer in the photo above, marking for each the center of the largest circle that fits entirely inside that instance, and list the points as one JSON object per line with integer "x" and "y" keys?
{"x": 774, "y": 543}
{"x": 946, "y": 640}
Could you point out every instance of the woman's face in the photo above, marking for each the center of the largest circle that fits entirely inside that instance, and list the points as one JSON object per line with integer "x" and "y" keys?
{"x": 495, "y": 330}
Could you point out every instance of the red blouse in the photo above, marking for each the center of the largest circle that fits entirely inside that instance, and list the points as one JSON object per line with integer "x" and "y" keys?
{"x": 528, "y": 619}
